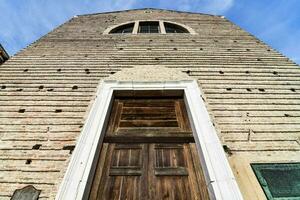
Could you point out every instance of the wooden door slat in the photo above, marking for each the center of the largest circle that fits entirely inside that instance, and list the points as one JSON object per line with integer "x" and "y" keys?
{"x": 170, "y": 171}
{"x": 148, "y": 123}
{"x": 125, "y": 172}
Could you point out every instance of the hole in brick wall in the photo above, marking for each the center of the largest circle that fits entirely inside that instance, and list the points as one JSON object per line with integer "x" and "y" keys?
{"x": 287, "y": 115}
{"x": 258, "y": 59}
{"x": 221, "y": 72}
{"x": 50, "y": 90}
{"x": 121, "y": 49}
{"x": 19, "y": 90}
{"x": 28, "y": 161}
{"x": 247, "y": 72}
{"x": 247, "y": 49}
{"x": 80, "y": 126}
{"x": 3, "y": 87}
{"x": 234, "y": 41}
{"x": 171, "y": 40}
{"x": 123, "y": 40}
{"x": 293, "y": 89}
{"x": 150, "y": 40}
{"x": 85, "y": 55}
{"x": 201, "y": 49}
{"x": 112, "y": 72}
{"x": 228, "y": 89}
{"x": 75, "y": 87}
{"x": 216, "y": 41}
{"x": 58, "y": 70}
{"x": 36, "y": 146}
{"x": 188, "y": 71}
{"x": 269, "y": 50}
{"x": 43, "y": 55}
{"x": 25, "y": 70}
{"x": 58, "y": 110}
{"x": 227, "y": 150}
{"x": 193, "y": 40}
{"x": 97, "y": 45}
{"x": 22, "y": 110}
{"x": 175, "y": 49}
{"x": 248, "y": 89}
{"x": 228, "y": 49}
{"x": 69, "y": 147}
{"x": 275, "y": 73}
{"x": 156, "y": 58}
{"x": 87, "y": 71}
{"x": 149, "y": 49}
{"x": 41, "y": 87}
{"x": 261, "y": 89}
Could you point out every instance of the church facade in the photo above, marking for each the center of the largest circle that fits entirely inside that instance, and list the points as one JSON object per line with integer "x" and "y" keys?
{"x": 149, "y": 104}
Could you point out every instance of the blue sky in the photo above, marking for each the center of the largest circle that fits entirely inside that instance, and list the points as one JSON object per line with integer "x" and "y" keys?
{"x": 276, "y": 22}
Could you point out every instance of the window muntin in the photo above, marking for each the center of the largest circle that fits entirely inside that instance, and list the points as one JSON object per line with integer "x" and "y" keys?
{"x": 279, "y": 181}
{"x": 173, "y": 28}
{"x": 149, "y": 27}
{"x": 127, "y": 28}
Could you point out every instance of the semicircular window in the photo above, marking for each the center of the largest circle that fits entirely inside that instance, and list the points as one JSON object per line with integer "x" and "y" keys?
{"x": 143, "y": 27}
{"x": 126, "y": 28}
{"x": 174, "y": 28}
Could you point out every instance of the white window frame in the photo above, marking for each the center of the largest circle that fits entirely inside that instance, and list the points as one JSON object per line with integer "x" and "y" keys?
{"x": 220, "y": 180}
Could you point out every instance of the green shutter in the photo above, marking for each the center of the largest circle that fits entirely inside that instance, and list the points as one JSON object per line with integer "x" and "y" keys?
{"x": 280, "y": 181}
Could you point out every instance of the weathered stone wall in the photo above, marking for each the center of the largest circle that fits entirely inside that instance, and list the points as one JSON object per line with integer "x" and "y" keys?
{"x": 251, "y": 91}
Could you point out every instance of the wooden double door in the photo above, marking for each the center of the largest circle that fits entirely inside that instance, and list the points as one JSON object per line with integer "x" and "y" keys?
{"x": 148, "y": 153}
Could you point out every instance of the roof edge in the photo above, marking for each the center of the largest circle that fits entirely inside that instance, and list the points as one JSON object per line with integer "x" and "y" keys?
{"x": 149, "y": 8}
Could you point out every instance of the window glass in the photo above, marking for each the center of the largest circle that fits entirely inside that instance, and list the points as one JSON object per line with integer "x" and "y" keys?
{"x": 279, "y": 181}
{"x": 148, "y": 27}
{"x": 127, "y": 28}
{"x": 173, "y": 28}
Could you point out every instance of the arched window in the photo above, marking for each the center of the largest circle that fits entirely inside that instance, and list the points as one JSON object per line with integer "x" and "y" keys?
{"x": 142, "y": 27}
{"x": 174, "y": 28}
{"x": 126, "y": 28}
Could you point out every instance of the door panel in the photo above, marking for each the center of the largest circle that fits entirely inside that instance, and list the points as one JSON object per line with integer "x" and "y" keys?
{"x": 150, "y": 120}
{"x": 150, "y": 171}
{"x": 169, "y": 160}
{"x": 172, "y": 173}
{"x": 126, "y": 160}
{"x": 122, "y": 173}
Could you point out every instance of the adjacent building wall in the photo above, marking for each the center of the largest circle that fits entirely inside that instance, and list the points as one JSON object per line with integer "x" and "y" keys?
{"x": 251, "y": 91}
{"x": 3, "y": 55}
